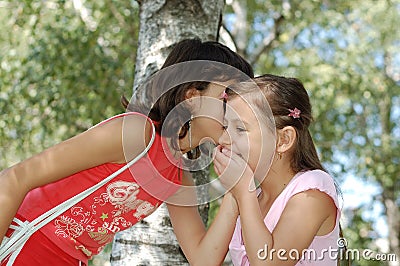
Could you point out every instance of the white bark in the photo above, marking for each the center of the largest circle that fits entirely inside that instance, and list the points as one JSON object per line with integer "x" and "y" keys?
{"x": 165, "y": 22}
{"x": 150, "y": 242}
{"x": 162, "y": 24}
{"x": 240, "y": 27}
{"x": 227, "y": 39}
{"x": 393, "y": 217}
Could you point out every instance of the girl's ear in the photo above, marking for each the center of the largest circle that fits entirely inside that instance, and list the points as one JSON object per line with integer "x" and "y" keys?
{"x": 191, "y": 92}
{"x": 286, "y": 139}
{"x": 191, "y": 100}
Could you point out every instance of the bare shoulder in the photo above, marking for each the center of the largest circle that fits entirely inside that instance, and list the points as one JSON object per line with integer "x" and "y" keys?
{"x": 124, "y": 136}
{"x": 307, "y": 214}
{"x": 315, "y": 199}
{"x": 135, "y": 132}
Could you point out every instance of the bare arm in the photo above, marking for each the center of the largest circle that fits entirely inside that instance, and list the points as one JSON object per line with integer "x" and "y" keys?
{"x": 93, "y": 147}
{"x": 201, "y": 246}
{"x": 299, "y": 223}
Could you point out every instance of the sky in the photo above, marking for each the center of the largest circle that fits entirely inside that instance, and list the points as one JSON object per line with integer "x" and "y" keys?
{"x": 354, "y": 197}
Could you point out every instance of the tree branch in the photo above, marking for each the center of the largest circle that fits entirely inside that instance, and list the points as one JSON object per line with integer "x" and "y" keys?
{"x": 84, "y": 14}
{"x": 266, "y": 44}
{"x": 240, "y": 27}
{"x": 117, "y": 15}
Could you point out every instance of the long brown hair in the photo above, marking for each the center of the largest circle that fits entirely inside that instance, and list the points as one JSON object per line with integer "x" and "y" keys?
{"x": 162, "y": 104}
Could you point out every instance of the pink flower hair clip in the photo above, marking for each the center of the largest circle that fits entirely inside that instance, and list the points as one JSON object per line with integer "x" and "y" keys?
{"x": 224, "y": 96}
{"x": 295, "y": 113}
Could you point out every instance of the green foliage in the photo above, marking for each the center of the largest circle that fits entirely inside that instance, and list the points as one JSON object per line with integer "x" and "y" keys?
{"x": 62, "y": 69}
{"x": 360, "y": 236}
{"x": 214, "y": 205}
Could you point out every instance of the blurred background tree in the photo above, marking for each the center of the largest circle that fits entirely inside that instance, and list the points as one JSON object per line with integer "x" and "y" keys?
{"x": 64, "y": 65}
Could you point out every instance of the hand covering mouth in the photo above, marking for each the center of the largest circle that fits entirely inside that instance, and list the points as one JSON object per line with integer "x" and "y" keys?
{"x": 224, "y": 149}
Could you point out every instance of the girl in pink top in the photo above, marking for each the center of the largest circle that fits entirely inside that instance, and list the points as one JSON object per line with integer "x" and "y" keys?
{"x": 45, "y": 180}
{"x": 293, "y": 216}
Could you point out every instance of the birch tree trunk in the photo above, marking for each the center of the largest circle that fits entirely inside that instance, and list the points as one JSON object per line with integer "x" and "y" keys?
{"x": 393, "y": 217}
{"x": 162, "y": 24}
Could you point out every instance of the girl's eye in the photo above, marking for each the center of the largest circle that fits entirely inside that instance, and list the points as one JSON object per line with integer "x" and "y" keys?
{"x": 224, "y": 127}
{"x": 240, "y": 129}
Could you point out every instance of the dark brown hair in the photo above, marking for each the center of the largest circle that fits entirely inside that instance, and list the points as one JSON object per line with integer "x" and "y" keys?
{"x": 185, "y": 51}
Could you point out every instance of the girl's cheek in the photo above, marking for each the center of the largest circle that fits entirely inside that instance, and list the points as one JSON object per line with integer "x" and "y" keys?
{"x": 243, "y": 143}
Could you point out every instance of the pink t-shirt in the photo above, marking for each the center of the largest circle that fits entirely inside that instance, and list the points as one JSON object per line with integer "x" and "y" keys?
{"x": 318, "y": 253}
{"x": 84, "y": 229}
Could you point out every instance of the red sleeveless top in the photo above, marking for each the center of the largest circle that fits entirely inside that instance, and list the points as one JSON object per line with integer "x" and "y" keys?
{"x": 87, "y": 227}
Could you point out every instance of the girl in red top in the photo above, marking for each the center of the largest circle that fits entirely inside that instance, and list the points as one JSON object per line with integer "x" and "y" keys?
{"x": 47, "y": 179}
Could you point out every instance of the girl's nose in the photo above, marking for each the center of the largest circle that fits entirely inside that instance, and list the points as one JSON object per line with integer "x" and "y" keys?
{"x": 225, "y": 138}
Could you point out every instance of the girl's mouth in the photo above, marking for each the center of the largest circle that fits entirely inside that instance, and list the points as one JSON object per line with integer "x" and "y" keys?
{"x": 227, "y": 151}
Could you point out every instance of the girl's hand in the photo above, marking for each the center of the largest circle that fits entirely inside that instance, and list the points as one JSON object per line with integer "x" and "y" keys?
{"x": 234, "y": 173}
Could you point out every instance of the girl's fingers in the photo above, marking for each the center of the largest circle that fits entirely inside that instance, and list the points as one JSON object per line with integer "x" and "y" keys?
{"x": 221, "y": 157}
{"x": 217, "y": 168}
{"x": 218, "y": 164}
{"x": 226, "y": 152}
